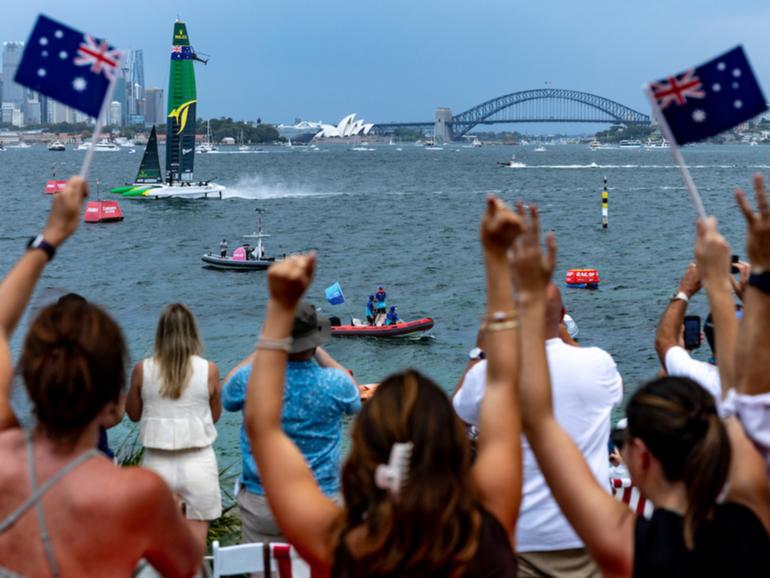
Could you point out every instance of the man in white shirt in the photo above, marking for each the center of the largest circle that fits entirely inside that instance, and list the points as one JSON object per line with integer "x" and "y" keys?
{"x": 585, "y": 386}
{"x": 675, "y": 359}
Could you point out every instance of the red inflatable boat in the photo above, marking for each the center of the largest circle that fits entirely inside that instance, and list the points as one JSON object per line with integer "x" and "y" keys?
{"x": 582, "y": 278}
{"x": 400, "y": 328}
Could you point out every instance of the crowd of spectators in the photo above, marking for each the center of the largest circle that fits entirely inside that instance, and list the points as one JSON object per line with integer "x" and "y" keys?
{"x": 510, "y": 476}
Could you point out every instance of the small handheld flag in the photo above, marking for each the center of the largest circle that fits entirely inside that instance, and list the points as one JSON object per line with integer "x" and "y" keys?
{"x": 73, "y": 68}
{"x": 709, "y": 99}
{"x": 68, "y": 65}
{"x": 704, "y": 101}
{"x": 334, "y": 294}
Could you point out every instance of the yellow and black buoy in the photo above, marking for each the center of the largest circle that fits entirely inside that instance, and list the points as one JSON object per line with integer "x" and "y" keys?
{"x": 605, "y": 209}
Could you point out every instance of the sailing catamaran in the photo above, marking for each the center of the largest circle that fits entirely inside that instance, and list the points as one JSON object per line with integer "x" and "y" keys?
{"x": 180, "y": 135}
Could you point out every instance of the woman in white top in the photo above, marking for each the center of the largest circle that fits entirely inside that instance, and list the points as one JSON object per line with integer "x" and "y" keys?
{"x": 176, "y": 395}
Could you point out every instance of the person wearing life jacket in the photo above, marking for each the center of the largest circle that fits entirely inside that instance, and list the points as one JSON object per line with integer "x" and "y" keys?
{"x": 392, "y": 316}
{"x": 381, "y": 296}
{"x": 370, "y": 313}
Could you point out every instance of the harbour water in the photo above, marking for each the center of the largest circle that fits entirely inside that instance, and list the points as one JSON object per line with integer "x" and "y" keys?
{"x": 406, "y": 219}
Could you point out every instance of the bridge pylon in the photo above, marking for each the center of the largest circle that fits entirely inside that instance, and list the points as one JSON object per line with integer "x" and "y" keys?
{"x": 442, "y": 127}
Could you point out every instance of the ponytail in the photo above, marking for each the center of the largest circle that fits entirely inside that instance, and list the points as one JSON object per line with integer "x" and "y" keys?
{"x": 704, "y": 474}
{"x": 678, "y": 422}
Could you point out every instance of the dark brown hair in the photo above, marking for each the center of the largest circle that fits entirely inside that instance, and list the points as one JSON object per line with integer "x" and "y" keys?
{"x": 73, "y": 364}
{"x": 432, "y": 528}
{"x": 678, "y": 422}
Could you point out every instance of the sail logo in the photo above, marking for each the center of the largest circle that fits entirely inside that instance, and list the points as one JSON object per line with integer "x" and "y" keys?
{"x": 186, "y": 151}
{"x": 180, "y": 113}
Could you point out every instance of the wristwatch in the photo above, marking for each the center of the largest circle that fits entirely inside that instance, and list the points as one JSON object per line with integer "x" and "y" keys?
{"x": 475, "y": 354}
{"x": 680, "y": 296}
{"x": 40, "y": 243}
{"x": 761, "y": 281}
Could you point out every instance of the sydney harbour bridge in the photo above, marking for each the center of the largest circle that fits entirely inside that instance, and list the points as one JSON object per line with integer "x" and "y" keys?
{"x": 538, "y": 105}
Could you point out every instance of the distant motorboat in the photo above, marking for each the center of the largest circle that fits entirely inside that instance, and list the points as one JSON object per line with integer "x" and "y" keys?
{"x": 630, "y": 144}
{"x": 540, "y": 149}
{"x": 753, "y": 143}
{"x": 20, "y": 145}
{"x": 102, "y": 146}
{"x": 57, "y": 145}
{"x": 512, "y": 164}
{"x": 661, "y": 144}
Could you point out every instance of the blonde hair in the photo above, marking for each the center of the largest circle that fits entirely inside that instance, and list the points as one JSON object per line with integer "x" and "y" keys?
{"x": 177, "y": 339}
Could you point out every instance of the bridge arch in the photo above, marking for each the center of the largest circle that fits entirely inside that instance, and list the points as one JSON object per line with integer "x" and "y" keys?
{"x": 594, "y": 108}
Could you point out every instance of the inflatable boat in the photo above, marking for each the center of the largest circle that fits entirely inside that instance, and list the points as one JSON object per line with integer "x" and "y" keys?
{"x": 582, "y": 279}
{"x": 358, "y": 329}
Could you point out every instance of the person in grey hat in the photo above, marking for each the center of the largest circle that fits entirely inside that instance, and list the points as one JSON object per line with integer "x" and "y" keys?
{"x": 319, "y": 392}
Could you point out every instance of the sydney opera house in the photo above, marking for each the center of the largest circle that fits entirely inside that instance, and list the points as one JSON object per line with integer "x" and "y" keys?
{"x": 304, "y": 131}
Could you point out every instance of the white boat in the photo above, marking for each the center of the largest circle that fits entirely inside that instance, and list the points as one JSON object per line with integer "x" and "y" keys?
{"x": 661, "y": 144}
{"x": 540, "y": 149}
{"x": 56, "y": 145}
{"x": 207, "y": 146}
{"x": 476, "y": 143}
{"x": 102, "y": 146}
{"x": 753, "y": 143}
{"x": 19, "y": 145}
{"x": 512, "y": 164}
{"x": 630, "y": 144}
{"x": 301, "y": 132}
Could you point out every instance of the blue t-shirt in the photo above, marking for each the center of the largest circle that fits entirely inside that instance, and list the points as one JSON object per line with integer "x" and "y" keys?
{"x": 315, "y": 399}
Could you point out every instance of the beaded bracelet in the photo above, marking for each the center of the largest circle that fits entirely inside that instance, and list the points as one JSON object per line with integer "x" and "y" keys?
{"x": 275, "y": 344}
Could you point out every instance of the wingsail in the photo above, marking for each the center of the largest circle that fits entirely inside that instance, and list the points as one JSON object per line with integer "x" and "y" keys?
{"x": 182, "y": 100}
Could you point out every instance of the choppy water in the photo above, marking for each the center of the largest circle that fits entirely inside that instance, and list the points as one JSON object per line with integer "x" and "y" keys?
{"x": 406, "y": 219}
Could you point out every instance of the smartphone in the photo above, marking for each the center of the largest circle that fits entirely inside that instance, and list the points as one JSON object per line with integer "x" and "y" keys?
{"x": 734, "y": 260}
{"x": 692, "y": 332}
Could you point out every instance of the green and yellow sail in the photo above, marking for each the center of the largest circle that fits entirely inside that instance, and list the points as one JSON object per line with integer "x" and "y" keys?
{"x": 180, "y": 122}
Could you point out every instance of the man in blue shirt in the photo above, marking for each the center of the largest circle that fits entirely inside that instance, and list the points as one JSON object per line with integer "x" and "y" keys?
{"x": 318, "y": 392}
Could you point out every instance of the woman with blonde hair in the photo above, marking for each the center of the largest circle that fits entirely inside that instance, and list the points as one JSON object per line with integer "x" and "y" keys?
{"x": 176, "y": 395}
{"x": 414, "y": 505}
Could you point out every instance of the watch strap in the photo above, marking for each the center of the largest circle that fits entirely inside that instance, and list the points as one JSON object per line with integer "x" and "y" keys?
{"x": 680, "y": 296}
{"x": 40, "y": 243}
{"x": 760, "y": 281}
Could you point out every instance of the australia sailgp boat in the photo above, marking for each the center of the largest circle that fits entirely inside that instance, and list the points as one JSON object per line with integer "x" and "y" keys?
{"x": 180, "y": 135}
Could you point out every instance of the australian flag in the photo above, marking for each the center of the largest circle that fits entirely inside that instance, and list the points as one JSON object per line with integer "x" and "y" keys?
{"x": 709, "y": 99}
{"x": 68, "y": 65}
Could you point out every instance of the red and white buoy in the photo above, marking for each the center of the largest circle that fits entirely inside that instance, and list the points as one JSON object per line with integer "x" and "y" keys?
{"x": 99, "y": 211}
{"x": 52, "y": 186}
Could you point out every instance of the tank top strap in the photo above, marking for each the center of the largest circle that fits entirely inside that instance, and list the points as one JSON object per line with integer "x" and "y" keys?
{"x": 38, "y": 493}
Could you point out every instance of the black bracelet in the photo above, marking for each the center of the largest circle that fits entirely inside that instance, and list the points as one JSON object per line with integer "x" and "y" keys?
{"x": 760, "y": 281}
{"x": 40, "y": 243}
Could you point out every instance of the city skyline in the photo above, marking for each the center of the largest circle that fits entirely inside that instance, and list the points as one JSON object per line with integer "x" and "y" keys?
{"x": 282, "y": 60}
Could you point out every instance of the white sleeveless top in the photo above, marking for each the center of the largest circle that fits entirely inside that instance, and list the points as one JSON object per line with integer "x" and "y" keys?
{"x": 176, "y": 424}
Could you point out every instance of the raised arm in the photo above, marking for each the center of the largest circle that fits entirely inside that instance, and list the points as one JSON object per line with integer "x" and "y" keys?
{"x": 303, "y": 513}
{"x": 605, "y": 525}
{"x": 712, "y": 254}
{"x": 670, "y": 326}
{"x": 753, "y": 361}
{"x": 17, "y": 287}
{"x": 497, "y": 469}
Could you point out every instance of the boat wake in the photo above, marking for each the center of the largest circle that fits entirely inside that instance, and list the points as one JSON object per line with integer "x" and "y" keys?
{"x": 255, "y": 187}
{"x": 598, "y": 166}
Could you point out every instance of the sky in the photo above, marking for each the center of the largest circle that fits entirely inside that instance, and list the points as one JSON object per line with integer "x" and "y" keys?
{"x": 399, "y": 60}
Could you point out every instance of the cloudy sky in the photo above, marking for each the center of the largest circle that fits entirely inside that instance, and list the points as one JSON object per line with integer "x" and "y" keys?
{"x": 400, "y": 59}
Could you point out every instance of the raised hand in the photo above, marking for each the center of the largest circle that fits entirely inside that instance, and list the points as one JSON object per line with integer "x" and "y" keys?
{"x": 712, "y": 251}
{"x": 499, "y": 227}
{"x": 530, "y": 268}
{"x": 691, "y": 281}
{"x": 289, "y": 279}
{"x": 758, "y": 234}
{"x": 64, "y": 217}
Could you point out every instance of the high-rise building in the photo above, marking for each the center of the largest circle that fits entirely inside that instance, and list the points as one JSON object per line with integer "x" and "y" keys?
{"x": 12, "y": 92}
{"x": 135, "y": 83}
{"x": 31, "y": 109}
{"x": 116, "y": 114}
{"x": 154, "y": 109}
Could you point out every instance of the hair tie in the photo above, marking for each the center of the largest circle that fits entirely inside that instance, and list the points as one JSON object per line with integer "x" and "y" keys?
{"x": 393, "y": 475}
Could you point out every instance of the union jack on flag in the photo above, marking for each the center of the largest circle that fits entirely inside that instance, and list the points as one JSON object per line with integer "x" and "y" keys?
{"x": 677, "y": 89}
{"x": 67, "y": 65}
{"x": 99, "y": 55}
{"x": 710, "y": 98}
